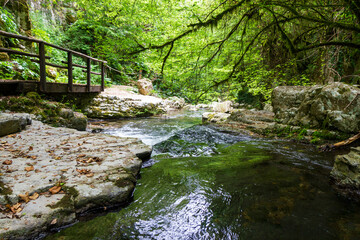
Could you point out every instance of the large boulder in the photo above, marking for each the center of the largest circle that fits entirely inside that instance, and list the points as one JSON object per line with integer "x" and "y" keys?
{"x": 73, "y": 119}
{"x": 13, "y": 123}
{"x": 223, "y": 107}
{"x": 145, "y": 86}
{"x": 346, "y": 174}
{"x": 286, "y": 101}
{"x": 335, "y": 106}
{"x": 215, "y": 117}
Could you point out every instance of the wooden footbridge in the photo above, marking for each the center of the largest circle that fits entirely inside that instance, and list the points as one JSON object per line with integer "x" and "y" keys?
{"x": 49, "y": 87}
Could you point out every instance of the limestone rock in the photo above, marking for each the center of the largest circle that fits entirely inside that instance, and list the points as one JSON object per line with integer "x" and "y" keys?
{"x": 93, "y": 170}
{"x": 346, "y": 174}
{"x": 175, "y": 102}
{"x": 215, "y": 117}
{"x": 73, "y": 119}
{"x": 223, "y": 107}
{"x": 286, "y": 100}
{"x": 12, "y": 123}
{"x": 335, "y": 106}
{"x": 145, "y": 86}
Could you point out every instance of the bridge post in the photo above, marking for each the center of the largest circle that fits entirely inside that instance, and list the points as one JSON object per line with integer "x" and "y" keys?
{"x": 88, "y": 75}
{"x": 70, "y": 72}
{"x": 42, "y": 86}
{"x": 102, "y": 76}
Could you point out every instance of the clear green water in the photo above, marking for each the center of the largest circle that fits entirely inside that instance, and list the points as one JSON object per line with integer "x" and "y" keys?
{"x": 253, "y": 189}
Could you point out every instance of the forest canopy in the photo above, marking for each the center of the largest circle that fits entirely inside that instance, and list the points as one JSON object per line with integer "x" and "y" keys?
{"x": 208, "y": 49}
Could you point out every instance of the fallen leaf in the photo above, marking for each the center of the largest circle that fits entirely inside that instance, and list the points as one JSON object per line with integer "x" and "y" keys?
{"x": 81, "y": 155}
{"x": 34, "y": 196}
{"x": 34, "y": 157}
{"x": 64, "y": 170}
{"x": 15, "y": 208}
{"x": 55, "y": 189}
{"x": 54, "y": 221}
{"x": 31, "y": 148}
{"x": 83, "y": 171}
{"x": 30, "y": 168}
{"x": 37, "y": 171}
{"x": 25, "y": 197}
{"x": 7, "y": 162}
{"x": 90, "y": 174}
{"x": 57, "y": 158}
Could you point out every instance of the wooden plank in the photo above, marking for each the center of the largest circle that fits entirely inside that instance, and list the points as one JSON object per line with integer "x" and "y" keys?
{"x": 70, "y": 72}
{"x": 49, "y": 64}
{"x": 11, "y": 51}
{"x": 75, "y": 65}
{"x": 88, "y": 73}
{"x": 22, "y": 86}
{"x": 42, "y": 86}
{"x": 102, "y": 76}
{"x": 75, "y": 53}
{"x": 12, "y": 35}
{"x": 95, "y": 73}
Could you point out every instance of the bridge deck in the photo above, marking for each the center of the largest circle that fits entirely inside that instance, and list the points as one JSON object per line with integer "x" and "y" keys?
{"x": 8, "y": 87}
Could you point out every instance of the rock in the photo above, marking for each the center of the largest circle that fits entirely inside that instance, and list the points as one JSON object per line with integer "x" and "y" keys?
{"x": 175, "y": 102}
{"x": 93, "y": 171}
{"x": 215, "y": 117}
{"x": 268, "y": 107}
{"x": 223, "y": 107}
{"x": 109, "y": 107}
{"x": 73, "y": 119}
{"x": 346, "y": 174}
{"x": 13, "y": 123}
{"x": 145, "y": 86}
{"x": 286, "y": 101}
{"x": 335, "y": 106}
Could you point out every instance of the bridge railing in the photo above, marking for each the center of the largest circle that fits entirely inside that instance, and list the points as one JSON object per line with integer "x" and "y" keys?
{"x": 69, "y": 63}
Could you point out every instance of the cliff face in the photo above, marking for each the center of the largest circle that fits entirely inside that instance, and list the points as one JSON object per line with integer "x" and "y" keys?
{"x": 61, "y": 13}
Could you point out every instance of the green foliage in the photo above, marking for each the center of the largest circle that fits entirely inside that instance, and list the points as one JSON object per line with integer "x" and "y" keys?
{"x": 8, "y": 24}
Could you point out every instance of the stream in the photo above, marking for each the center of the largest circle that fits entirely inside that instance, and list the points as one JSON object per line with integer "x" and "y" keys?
{"x": 202, "y": 183}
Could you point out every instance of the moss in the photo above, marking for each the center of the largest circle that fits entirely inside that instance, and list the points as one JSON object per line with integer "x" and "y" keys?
{"x": 34, "y": 96}
{"x": 125, "y": 181}
{"x": 4, "y": 190}
{"x": 67, "y": 202}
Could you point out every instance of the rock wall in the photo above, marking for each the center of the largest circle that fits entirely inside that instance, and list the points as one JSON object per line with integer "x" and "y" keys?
{"x": 335, "y": 106}
{"x": 109, "y": 107}
{"x": 346, "y": 174}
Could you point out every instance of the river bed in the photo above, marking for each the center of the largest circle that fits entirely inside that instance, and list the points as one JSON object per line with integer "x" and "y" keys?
{"x": 206, "y": 184}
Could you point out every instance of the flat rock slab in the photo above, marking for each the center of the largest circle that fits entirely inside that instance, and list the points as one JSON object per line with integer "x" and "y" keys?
{"x": 12, "y": 123}
{"x": 92, "y": 170}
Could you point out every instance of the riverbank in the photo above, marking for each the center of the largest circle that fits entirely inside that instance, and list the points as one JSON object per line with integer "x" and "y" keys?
{"x": 48, "y": 175}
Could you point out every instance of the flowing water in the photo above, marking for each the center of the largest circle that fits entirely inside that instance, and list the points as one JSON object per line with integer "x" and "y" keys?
{"x": 208, "y": 184}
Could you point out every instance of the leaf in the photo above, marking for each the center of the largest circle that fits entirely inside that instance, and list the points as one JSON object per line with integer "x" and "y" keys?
{"x": 34, "y": 196}
{"x": 58, "y": 158}
{"x": 16, "y": 208}
{"x": 31, "y": 148}
{"x": 7, "y": 162}
{"x": 34, "y": 157}
{"x": 55, "y": 189}
{"x": 25, "y": 197}
{"x": 29, "y": 168}
{"x": 54, "y": 221}
{"x": 81, "y": 155}
{"x": 90, "y": 174}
